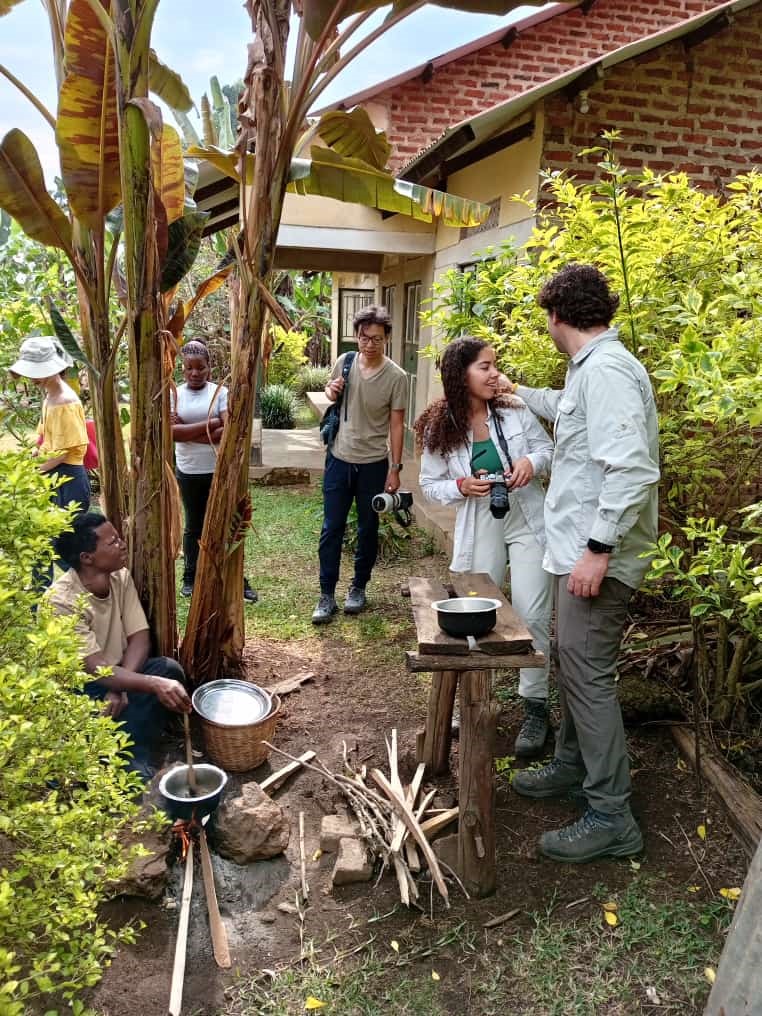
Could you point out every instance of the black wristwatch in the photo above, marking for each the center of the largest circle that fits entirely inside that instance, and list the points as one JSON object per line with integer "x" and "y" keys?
{"x": 397, "y": 466}
{"x": 599, "y": 548}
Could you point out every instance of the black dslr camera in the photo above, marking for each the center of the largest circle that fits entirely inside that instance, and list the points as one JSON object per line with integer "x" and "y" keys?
{"x": 400, "y": 503}
{"x": 499, "y": 505}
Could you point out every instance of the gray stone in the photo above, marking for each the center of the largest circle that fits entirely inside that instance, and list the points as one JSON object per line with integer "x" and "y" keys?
{"x": 446, "y": 849}
{"x": 352, "y": 863}
{"x": 334, "y": 828}
{"x": 250, "y": 826}
{"x": 147, "y": 875}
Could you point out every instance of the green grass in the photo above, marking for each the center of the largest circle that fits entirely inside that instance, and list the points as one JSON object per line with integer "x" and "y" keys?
{"x": 584, "y": 967}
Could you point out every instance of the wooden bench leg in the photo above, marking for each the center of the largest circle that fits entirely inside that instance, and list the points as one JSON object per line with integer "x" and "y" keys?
{"x": 434, "y": 747}
{"x": 476, "y": 830}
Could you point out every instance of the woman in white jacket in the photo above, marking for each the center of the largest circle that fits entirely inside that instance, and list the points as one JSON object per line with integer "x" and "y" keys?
{"x": 470, "y": 432}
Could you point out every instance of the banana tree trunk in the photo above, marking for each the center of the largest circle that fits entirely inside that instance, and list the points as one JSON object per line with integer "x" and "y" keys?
{"x": 214, "y": 633}
{"x": 151, "y": 558}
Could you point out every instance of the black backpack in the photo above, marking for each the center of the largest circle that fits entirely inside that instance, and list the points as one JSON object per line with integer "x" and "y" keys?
{"x": 329, "y": 425}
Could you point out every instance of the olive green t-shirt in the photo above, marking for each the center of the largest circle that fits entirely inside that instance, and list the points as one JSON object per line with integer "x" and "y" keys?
{"x": 368, "y": 402}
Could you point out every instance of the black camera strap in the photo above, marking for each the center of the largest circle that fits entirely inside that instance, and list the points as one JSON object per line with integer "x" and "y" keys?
{"x": 501, "y": 440}
{"x": 345, "y": 369}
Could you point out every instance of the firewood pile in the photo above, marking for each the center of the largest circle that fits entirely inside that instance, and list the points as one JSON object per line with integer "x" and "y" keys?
{"x": 396, "y": 821}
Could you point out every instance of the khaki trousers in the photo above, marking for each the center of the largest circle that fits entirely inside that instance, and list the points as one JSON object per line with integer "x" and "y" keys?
{"x": 591, "y": 733}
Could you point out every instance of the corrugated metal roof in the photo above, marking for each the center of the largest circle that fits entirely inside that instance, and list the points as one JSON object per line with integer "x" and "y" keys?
{"x": 491, "y": 121}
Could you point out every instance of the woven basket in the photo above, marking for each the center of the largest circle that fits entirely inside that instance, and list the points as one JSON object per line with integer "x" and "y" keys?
{"x": 236, "y": 749}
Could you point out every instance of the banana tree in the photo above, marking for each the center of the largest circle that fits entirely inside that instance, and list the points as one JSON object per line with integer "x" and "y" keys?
{"x": 272, "y": 115}
{"x": 115, "y": 151}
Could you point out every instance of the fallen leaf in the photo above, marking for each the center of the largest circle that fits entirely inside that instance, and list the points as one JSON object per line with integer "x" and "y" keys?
{"x": 730, "y": 894}
{"x": 314, "y": 1003}
{"x": 635, "y": 865}
{"x": 681, "y": 765}
{"x": 652, "y": 996}
{"x": 710, "y": 974}
{"x": 611, "y": 907}
{"x": 694, "y": 888}
{"x": 611, "y": 919}
{"x": 472, "y": 592}
{"x": 317, "y": 855}
{"x": 701, "y": 832}
{"x": 434, "y": 975}
{"x": 395, "y": 945}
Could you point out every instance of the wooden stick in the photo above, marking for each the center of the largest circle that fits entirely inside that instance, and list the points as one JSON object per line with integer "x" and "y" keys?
{"x": 497, "y": 921}
{"x": 303, "y": 858}
{"x": 402, "y": 808}
{"x": 192, "y": 781}
{"x": 410, "y": 795}
{"x": 178, "y": 970}
{"x": 276, "y": 779}
{"x": 216, "y": 927}
{"x": 433, "y": 825}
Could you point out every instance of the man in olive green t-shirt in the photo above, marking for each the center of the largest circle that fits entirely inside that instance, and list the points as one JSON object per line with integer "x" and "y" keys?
{"x": 113, "y": 630}
{"x": 357, "y": 467}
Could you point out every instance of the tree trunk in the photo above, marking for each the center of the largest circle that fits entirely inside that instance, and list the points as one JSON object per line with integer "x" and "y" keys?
{"x": 214, "y": 633}
{"x": 151, "y": 558}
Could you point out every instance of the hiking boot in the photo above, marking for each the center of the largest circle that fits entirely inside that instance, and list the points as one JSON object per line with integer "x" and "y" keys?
{"x": 250, "y": 595}
{"x": 556, "y": 779}
{"x": 355, "y": 601}
{"x": 531, "y": 738}
{"x": 593, "y": 835}
{"x": 325, "y": 609}
{"x": 187, "y": 589}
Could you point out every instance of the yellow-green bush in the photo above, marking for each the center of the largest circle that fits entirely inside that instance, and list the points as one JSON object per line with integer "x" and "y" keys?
{"x": 287, "y": 356}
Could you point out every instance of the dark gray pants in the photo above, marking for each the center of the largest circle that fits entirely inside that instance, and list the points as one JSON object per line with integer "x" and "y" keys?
{"x": 591, "y": 733}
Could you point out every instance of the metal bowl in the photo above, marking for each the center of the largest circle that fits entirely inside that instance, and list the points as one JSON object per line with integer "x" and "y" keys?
{"x": 467, "y": 615}
{"x": 232, "y": 703}
{"x": 175, "y": 790}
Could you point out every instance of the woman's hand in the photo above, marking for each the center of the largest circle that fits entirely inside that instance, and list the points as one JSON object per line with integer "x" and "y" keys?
{"x": 475, "y": 486}
{"x": 523, "y": 472}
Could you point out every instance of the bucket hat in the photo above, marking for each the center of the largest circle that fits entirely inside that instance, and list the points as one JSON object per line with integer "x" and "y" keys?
{"x": 41, "y": 356}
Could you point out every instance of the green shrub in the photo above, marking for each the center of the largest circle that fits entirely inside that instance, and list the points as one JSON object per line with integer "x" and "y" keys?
{"x": 311, "y": 379}
{"x": 65, "y": 796}
{"x": 287, "y": 356}
{"x": 279, "y": 406}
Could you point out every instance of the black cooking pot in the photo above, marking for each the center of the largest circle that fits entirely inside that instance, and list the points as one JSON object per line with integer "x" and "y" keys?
{"x": 467, "y": 615}
{"x": 175, "y": 791}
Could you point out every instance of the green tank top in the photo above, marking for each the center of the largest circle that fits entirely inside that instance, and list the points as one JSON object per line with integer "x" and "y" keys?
{"x": 484, "y": 455}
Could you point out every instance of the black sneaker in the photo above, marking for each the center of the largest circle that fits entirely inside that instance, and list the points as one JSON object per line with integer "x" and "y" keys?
{"x": 594, "y": 835}
{"x": 187, "y": 589}
{"x": 325, "y": 609}
{"x": 530, "y": 741}
{"x": 249, "y": 594}
{"x": 355, "y": 601}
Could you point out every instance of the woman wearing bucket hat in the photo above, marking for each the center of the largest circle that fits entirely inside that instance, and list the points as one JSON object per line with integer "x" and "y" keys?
{"x": 62, "y": 426}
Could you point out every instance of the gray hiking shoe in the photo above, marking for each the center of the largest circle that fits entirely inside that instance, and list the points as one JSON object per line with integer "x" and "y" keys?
{"x": 593, "y": 835}
{"x": 531, "y": 738}
{"x": 325, "y": 609}
{"x": 355, "y": 601}
{"x": 556, "y": 779}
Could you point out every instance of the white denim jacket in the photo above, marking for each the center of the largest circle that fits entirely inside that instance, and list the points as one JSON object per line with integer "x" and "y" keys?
{"x": 525, "y": 436}
{"x": 605, "y": 472}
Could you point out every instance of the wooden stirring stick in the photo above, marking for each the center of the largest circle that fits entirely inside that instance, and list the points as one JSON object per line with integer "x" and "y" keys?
{"x": 192, "y": 781}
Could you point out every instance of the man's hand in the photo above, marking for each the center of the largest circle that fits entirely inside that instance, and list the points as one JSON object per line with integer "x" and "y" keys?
{"x": 334, "y": 388}
{"x": 171, "y": 694}
{"x": 476, "y": 486}
{"x": 114, "y": 703}
{"x": 523, "y": 471}
{"x": 392, "y": 481}
{"x": 587, "y": 574}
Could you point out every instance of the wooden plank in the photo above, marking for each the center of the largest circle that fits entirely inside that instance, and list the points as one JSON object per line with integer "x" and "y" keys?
{"x": 510, "y": 634}
{"x": 431, "y": 638}
{"x": 417, "y": 664}
{"x": 178, "y": 969}
{"x": 274, "y": 780}
{"x": 437, "y": 737}
{"x": 743, "y": 805}
{"x": 477, "y": 863}
{"x": 216, "y": 927}
{"x": 434, "y": 825}
{"x": 737, "y": 989}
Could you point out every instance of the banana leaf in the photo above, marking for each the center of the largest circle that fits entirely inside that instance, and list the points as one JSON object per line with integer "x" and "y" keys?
{"x": 353, "y": 135}
{"x": 316, "y": 13}
{"x": 169, "y": 171}
{"x": 184, "y": 243}
{"x": 168, "y": 85}
{"x": 23, "y": 194}
{"x": 209, "y": 285}
{"x": 87, "y": 128}
{"x": 66, "y": 338}
{"x": 6, "y": 6}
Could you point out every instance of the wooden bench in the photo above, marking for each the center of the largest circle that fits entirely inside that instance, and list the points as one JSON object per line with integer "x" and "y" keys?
{"x": 453, "y": 664}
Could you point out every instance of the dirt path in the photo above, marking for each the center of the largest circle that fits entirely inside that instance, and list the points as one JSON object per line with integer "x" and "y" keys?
{"x": 360, "y": 692}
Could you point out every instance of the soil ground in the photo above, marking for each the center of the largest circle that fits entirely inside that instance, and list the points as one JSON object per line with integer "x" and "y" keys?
{"x": 360, "y": 691}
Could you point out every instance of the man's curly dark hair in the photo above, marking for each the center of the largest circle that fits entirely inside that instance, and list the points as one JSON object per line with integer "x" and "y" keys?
{"x": 580, "y": 296}
{"x": 445, "y": 424}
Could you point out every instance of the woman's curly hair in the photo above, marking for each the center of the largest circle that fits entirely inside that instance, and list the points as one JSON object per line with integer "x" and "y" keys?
{"x": 445, "y": 424}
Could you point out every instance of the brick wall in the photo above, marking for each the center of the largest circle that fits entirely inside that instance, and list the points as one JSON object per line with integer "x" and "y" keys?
{"x": 697, "y": 110}
{"x": 418, "y": 113}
